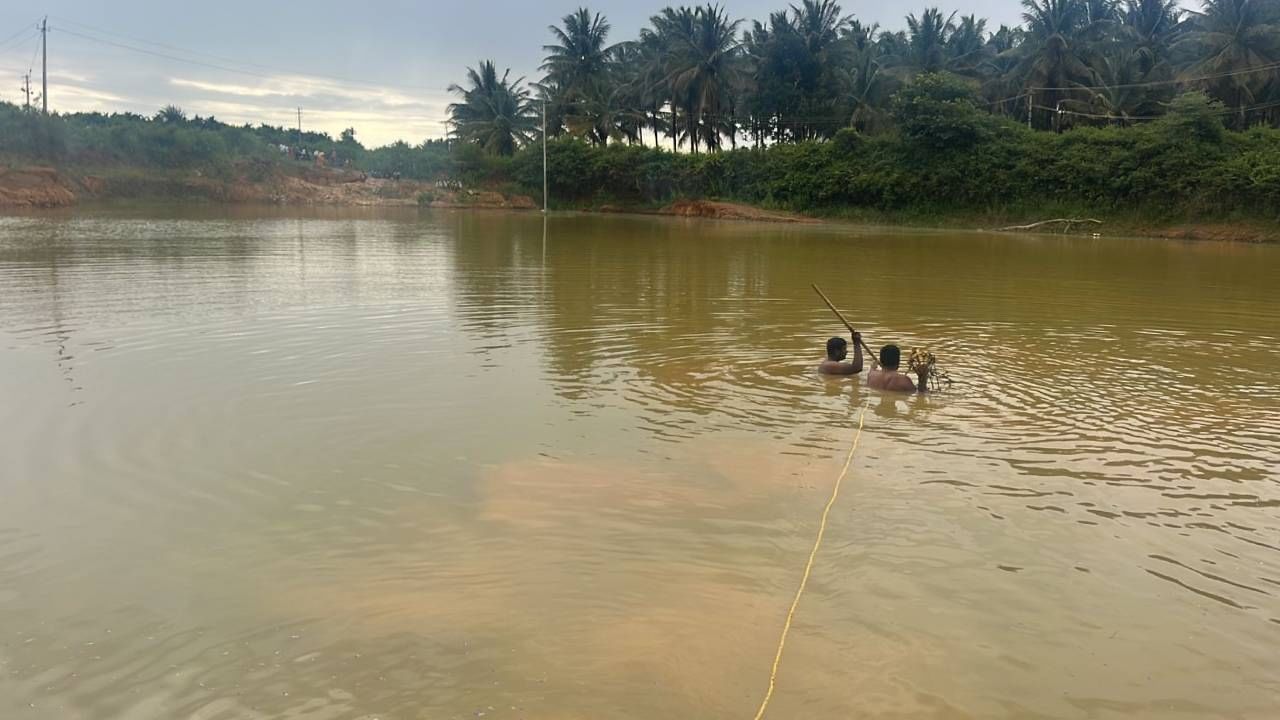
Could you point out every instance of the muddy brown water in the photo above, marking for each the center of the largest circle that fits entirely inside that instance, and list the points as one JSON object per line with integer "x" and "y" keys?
{"x": 330, "y": 465}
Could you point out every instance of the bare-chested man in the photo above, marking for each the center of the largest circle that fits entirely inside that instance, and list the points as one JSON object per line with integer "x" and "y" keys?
{"x": 837, "y": 351}
{"x": 887, "y": 377}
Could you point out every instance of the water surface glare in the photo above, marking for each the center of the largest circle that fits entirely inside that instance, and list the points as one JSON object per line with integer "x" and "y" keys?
{"x": 336, "y": 465}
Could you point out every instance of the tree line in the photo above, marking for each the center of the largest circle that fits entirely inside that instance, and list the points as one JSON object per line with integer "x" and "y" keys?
{"x": 698, "y": 79}
{"x": 170, "y": 139}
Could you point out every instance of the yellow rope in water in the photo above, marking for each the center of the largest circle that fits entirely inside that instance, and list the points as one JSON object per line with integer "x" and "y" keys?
{"x": 808, "y": 568}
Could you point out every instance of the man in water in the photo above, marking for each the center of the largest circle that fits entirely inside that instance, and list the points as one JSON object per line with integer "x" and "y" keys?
{"x": 837, "y": 351}
{"x": 887, "y": 377}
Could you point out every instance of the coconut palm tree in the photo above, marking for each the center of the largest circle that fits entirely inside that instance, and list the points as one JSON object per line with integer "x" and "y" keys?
{"x": 859, "y": 35}
{"x": 651, "y": 91}
{"x": 820, "y": 23}
{"x": 1001, "y": 85}
{"x": 822, "y": 53}
{"x": 672, "y": 28}
{"x": 869, "y": 91}
{"x": 171, "y": 115}
{"x": 1102, "y": 11}
{"x": 494, "y": 113}
{"x": 1230, "y": 40}
{"x": 704, "y": 67}
{"x": 967, "y": 45}
{"x": 579, "y": 63}
{"x": 1152, "y": 26}
{"x": 1124, "y": 89}
{"x": 927, "y": 37}
{"x": 893, "y": 45}
{"x": 552, "y": 99}
{"x": 1056, "y": 52}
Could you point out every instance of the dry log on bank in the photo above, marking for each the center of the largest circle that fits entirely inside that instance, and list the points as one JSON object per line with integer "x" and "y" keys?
{"x": 1067, "y": 224}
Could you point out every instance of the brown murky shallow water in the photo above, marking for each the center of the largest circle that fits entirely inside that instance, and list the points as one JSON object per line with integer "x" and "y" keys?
{"x": 336, "y": 465}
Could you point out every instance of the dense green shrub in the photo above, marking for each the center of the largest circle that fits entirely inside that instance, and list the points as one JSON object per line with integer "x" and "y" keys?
{"x": 1184, "y": 164}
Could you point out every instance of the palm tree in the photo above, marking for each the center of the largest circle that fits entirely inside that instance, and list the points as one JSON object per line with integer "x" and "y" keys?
{"x": 1125, "y": 89}
{"x": 704, "y": 67}
{"x": 672, "y": 28}
{"x": 1230, "y": 39}
{"x": 650, "y": 91}
{"x": 495, "y": 113}
{"x": 927, "y": 42}
{"x": 820, "y": 23}
{"x": 1001, "y": 85}
{"x": 967, "y": 45}
{"x": 171, "y": 115}
{"x": 822, "y": 53}
{"x": 553, "y": 100}
{"x": 629, "y": 91}
{"x": 1151, "y": 26}
{"x": 1056, "y": 52}
{"x": 860, "y": 36}
{"x": 1102, "y": 11}
{"x": 578, "y": 64}
{"x": 893, "y": 45}
{"x": 870, "y": 89}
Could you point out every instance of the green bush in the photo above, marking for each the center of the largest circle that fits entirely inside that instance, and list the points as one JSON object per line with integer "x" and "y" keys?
{"x": 937, "y": 112}
{"x": 952, "y": 158}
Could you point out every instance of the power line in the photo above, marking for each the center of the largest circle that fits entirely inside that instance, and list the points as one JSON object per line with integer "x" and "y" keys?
{"x": 1008, "y": 99}
{"x": 31, "y": 65}
{"x": 16, "y": 49}
{"x": 163, "y": 55}
{"x": 226, "y": 65}
{"x": 174, "y": 48}
{"x": 1159, "y": 83}
{"x": 1096, "y": 116}
{"x": 21, "y": 31}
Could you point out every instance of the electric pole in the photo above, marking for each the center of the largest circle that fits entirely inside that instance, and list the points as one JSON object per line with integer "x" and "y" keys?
{"x": 299, "y": 128}
{"x": 44, "y": 63}
{"x": 26, "y": 89}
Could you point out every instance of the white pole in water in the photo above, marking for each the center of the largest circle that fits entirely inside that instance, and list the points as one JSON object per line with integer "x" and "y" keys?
{"x": 544, "y": 157}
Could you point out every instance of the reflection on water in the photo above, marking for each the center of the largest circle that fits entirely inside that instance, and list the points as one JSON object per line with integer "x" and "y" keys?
{"x": 345, "y": 465}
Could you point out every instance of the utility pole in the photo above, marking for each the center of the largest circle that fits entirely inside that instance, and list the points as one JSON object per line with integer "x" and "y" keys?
{"x": 299, "y": 128}
{"x": 44, "y": 63}
{"x": 26, "y": 89}
{"x": 545, "y": 193}
{"x": 1031, "y": 98}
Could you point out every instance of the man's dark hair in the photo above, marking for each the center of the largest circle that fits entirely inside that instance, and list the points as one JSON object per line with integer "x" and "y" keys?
{"x": 890, "y": 356}
{"x": 835, "y": 346}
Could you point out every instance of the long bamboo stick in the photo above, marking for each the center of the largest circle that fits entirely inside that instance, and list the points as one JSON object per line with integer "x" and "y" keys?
{"x": 866, "y": 348}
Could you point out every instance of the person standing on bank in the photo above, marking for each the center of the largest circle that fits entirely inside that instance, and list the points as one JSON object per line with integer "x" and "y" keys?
{"x": 887, "y": 377}
{"x": 837, "y": 351}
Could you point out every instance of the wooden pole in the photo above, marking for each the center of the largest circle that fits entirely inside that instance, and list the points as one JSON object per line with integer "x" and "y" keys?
{"x": 844, "y": 320}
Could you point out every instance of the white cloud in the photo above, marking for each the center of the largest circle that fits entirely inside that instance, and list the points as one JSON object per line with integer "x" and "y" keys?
{"x": 380, "y": 115}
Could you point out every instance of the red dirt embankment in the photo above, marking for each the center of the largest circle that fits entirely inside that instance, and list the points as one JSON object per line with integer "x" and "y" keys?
{"x": 43, "y": 187}
{"x": 34, "y": 187}
{"x": 730, "y": 211}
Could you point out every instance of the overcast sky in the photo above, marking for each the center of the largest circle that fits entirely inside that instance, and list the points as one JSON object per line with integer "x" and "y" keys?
{"x": 381, "y": 66}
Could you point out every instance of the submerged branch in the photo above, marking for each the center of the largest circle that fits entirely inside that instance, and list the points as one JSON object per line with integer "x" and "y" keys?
{"x": 1067, "y": 224}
